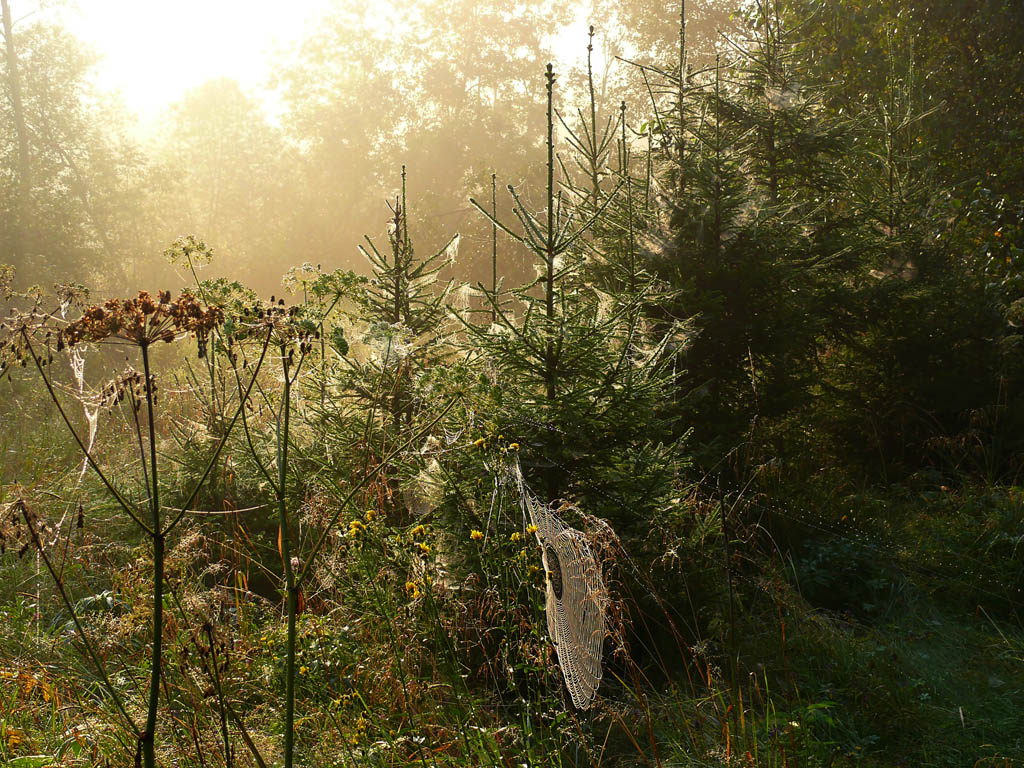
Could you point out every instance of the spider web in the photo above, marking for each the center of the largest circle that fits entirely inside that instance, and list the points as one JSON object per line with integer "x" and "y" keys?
{"x": 77, "y": 362}
{"x": 575, "y": 594}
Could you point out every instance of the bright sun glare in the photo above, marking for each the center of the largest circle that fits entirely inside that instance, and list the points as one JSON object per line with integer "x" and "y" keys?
{"x": 154, "y": 52}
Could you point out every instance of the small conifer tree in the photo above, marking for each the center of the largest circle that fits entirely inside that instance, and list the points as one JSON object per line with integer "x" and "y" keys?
{"x": 577, "y": 376}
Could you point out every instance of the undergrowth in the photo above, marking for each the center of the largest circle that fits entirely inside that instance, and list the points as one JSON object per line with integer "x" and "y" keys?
{"x": 284, "y": 531}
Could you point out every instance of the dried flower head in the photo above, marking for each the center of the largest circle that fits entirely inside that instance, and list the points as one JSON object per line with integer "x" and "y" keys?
{"x": 127, "y": 384}
{"x": 144, "y": 320}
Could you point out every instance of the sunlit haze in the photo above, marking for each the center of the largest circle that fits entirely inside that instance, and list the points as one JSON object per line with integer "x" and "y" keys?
{"x": 153, "y": 52}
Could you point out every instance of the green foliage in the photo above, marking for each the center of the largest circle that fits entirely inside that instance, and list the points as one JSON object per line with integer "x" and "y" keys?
{"x": 770, "y": 362}
{"x": 80, "y": 185}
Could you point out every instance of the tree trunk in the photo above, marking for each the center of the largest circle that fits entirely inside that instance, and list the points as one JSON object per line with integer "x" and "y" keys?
{"x": 21, "y": 130}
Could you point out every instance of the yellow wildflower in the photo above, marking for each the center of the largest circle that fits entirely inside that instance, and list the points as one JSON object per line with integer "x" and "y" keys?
{"x": 355, "y": 528}
{"x": 303, "y": 669}
{"x": 480, "y": 442}
{"x": 424, "y": 548}
{"x": 360, "y": 731}
{"x": 476, "y": 535}
{"x": 513, "y": 446}
{"x": 13, "y": 737}
{"x": 531, "y": 528}
{"x": 419, "y": 530}
{"x": 516, "y": 536}
{"x": 370, "y": 514}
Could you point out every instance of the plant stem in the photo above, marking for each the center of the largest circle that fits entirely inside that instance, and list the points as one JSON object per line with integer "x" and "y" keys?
{"x": 550, "y": 355}
{"x": 149, "y": 735}
{"x": 731, "y": 645}
{"x": 629, "y": 202}
{"x": 291, "y": 590}
{"x": 494, "y": 248}
{"x": 681, "y": 96}
{"x": 215, "y": 664}
{"x": 20, "y": 129}
{"x": 717, "y": 232}
{"x": 595, "y": 184}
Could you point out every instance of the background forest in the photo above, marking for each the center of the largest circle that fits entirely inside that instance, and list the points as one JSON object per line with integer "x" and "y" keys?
{"x": 736, "y": 288}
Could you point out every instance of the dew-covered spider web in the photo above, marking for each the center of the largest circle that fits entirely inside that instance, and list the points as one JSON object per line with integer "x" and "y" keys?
{"x": 77, "y": 362}
{"x": 575, "y": 594}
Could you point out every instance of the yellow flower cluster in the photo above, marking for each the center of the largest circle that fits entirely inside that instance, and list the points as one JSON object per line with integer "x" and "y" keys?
{"x": 531, "y": 528}
{"x": 481, "y": 442}
{"x": 355, "y": 528}
{"x": 413, "y": 588}
{"x": 476, "y": 535}
{"x": 424, "y": 548}
{"x": 13, "y": 737}
{"x": 370, "y": 514}
{"x": 419, "y": 530}
{"x": 358, "y": 732}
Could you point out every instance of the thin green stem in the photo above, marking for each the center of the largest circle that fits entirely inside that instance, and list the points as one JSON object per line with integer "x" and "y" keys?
{"x": 629, "y": 203}
{"x": 215, "y": 664}
{"x": 291, "y": 591}
{"x": 248, "y": 438}
{"x": 149, "y": 735}
{"x": 550, "y": 252}
{"x": 494, "y": 246}
{"x": 681, "y": 97}
{"x": 134, "y": 403}
{"x": 593, "y": 152}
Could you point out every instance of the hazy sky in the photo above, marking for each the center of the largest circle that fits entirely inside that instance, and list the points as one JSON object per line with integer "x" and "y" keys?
{"x": 154, "y": 51}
